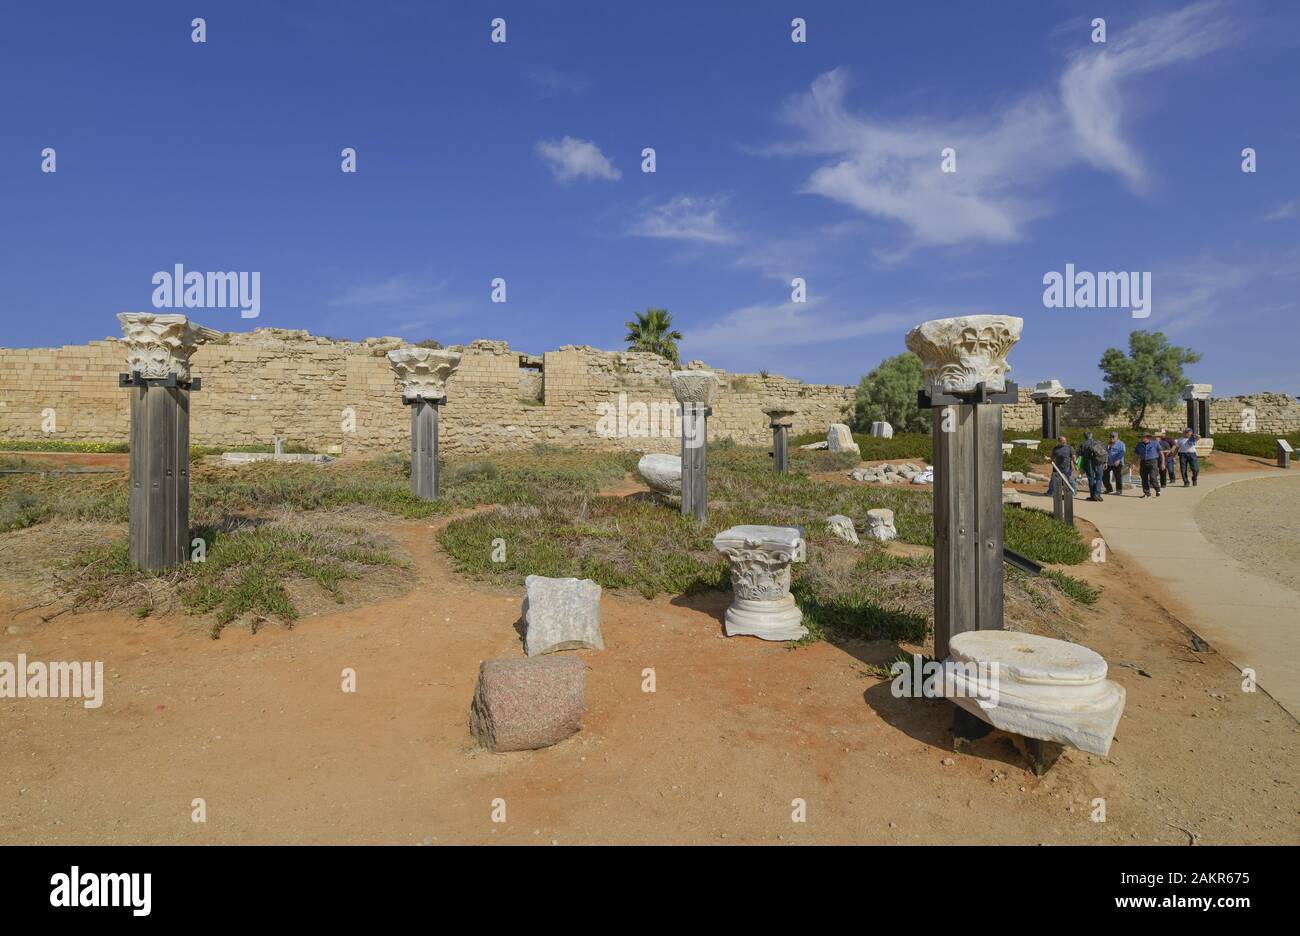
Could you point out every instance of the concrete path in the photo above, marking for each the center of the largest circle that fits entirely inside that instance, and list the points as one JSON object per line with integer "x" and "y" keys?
{"x": 1252, "y": 620}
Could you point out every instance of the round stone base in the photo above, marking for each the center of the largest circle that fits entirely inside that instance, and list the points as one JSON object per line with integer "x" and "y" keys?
{"x": 780, "y": 619}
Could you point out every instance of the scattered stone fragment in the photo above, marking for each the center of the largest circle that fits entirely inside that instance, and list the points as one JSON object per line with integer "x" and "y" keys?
{"x": 1011, "y": 498}
{"x": 840, "y": 439}
{"x": 662, "y": 472}
{"x": 842, "y": 527}
{"x": 520, "y": 705}
{"x": 882, "y": 430}
{"x": 880, "y": 522}
{"x": 561, "y": 614}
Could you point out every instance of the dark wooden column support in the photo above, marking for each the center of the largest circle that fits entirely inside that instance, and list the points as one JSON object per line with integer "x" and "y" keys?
{"x": 695, "y": 449}
{"x": 424, "y": 446}
{"x": 159, "y": 500}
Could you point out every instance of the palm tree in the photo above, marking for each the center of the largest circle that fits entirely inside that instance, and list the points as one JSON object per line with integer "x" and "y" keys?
{"x": 653, "y": 331}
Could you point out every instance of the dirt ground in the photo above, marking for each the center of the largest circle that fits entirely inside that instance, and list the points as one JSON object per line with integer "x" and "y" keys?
{"x": 257, "y": 725}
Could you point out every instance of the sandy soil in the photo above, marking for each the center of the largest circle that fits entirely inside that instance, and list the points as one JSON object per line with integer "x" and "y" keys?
{"x": 1257, "y": 523}
{"x": 257, "y": 725}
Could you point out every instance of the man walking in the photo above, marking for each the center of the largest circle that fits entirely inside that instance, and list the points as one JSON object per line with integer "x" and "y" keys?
{"x": 1187, "y": 460}
{"x": 1115, "y": 454}
{"x": 1167, "y": 452}
{"x": 1148, "y": 455}
{"x": 1062, "y": 466}
{"x": 1094, "y": 463}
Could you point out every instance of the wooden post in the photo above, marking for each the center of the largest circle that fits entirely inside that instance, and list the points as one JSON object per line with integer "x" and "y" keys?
{"x": 695, "y": 447}
{"x": 424, "y": 447}
{"x": 159, "y": 499}
{"x": 967, "y": 441}
{"x": 158, "y": 350}
{"x": 781, "y": 448}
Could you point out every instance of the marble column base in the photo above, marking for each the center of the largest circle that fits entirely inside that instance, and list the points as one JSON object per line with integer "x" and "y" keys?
{"x": 778, "y": 619}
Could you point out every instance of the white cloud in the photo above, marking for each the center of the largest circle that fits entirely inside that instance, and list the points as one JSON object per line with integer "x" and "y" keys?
{"x": 1284, "y": 212}
{"x": 891, "y": 170}
{"x": 685, "y": 218}
{"x": 788, "y": 324}
{"x": 570, "y": 159}
{"x": 554, "y": 82}
{"x": 1090, "y": 86}
{"x": 404, "y": 302}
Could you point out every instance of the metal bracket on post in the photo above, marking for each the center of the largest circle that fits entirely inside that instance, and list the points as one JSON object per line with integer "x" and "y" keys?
{"x": 411, "y": 401}
{"x": 134, "y": 379}
{"x": 980, "y": 394}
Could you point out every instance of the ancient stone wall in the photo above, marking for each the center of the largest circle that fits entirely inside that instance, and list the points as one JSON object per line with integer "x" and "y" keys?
{"x": 324, "y": 394}
{"x": 1273, "y": 413}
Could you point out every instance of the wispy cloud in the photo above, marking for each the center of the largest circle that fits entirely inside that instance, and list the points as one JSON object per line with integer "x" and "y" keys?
{"x": 404, "y": 303}
{"x": 554, "y": 82}
{"x": 1091, "y": 85}
{"x": 685, "y": 218}
{"x": 1284, "y": 212}
{"x": 790, "y": 324}
{"x": 571, "y": 158}
{"x": 892, "y": 170}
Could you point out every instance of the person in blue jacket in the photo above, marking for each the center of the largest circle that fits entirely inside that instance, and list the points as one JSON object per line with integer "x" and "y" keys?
{"x": 1115, "y": 454}
{"x": 1148, "y": 456}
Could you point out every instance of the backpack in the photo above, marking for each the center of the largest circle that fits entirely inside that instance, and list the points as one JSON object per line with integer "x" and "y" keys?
{"x": 1094, "y": 450}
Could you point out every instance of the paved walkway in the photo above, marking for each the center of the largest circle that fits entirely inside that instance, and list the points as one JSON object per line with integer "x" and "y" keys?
{"x": 1252, "y": 620}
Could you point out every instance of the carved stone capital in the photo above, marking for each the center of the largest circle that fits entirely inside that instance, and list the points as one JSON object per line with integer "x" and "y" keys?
{"x": 1197, "y": 391}
{"x": 695, "y": 386}
{"x": 423, "y": 372}
{"x": 1049, "y": 390}
{"x": 959, "y": 353}
{"x": 760, "y": 559}
{"x": 779, "y": 414}
{"x": 159, "y": 346}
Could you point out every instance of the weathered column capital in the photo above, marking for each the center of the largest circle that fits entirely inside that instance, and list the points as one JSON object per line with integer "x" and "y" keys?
{"x": 1197, "y": 391}
{"x": 959, "y": 353}
{"x": 1049, "y": 390}
{"x": 760, "y": 559}
{"x": 779, "y": 414}
{"x": 695, "y": 386}
{"x": 423, "y": 372}
{"x": 159, "y": 346}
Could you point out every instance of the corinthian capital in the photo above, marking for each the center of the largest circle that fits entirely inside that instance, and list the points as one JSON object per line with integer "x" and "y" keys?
{"x": 695, "y": 386}
{"x": 424, "y": 372}
{"x": 957, "y": 354}
{"x": 159, "y": 346}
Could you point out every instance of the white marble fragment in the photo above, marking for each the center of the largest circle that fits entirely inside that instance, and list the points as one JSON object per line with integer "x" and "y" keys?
{"x": 880, "y": 524}
{"x": 842, "y": 527}
{"x": 661, "y": 472}
{"x": 561, "y": 614}
{"x": 1048, "y": 689}
{"x": 959, "y": 353}
{"x": 760, "y": 559}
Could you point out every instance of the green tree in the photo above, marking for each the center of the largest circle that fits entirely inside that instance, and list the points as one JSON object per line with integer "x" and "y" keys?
{"x": 1150, "y": 375}
{"x": 652, "y": 330}
{"x": 889, "y": 393}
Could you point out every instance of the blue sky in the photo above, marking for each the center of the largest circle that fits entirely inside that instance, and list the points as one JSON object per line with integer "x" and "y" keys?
{"x": 774, "y": 159}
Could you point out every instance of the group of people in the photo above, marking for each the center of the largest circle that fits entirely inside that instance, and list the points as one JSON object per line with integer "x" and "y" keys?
{"x": 1105, "y": 465}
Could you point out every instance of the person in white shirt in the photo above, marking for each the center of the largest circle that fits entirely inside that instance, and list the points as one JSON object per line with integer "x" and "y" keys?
{"x": 1187, "y": 457}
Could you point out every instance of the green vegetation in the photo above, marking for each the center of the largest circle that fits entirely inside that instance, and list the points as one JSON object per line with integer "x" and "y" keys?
{"x": 889, "y": 393}
{"x": 552, "y": 518}
{"x": 652, "y": 330}
{"x": 55, "y": 445}
{"x": 1081, "y": 592}
{"x": 1150, "y": 375}
{"x": 1258, "y": 444}
{"x": 243, "y": 572}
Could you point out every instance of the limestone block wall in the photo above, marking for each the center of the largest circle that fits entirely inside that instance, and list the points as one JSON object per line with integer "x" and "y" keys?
{"x": 325, "y": 393}
{"x": 1274, "y": 413}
